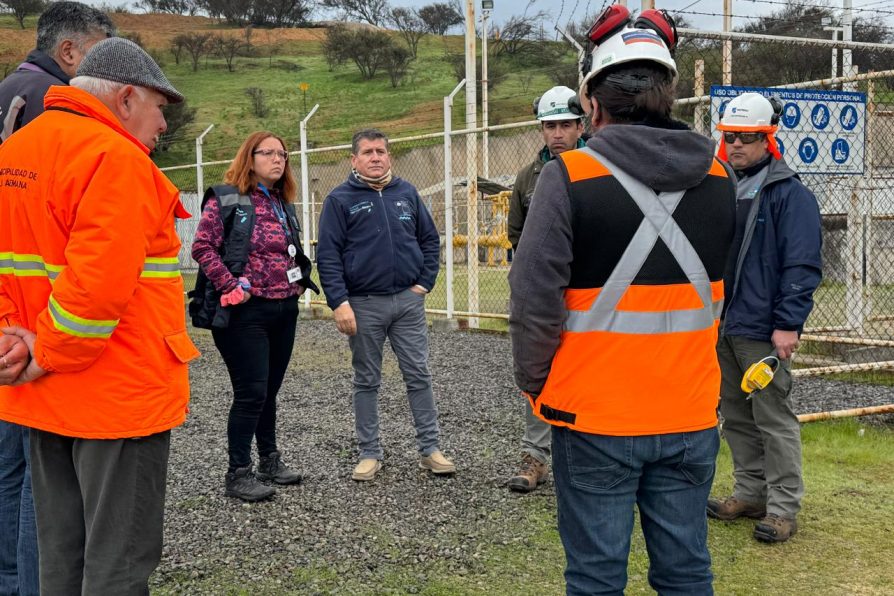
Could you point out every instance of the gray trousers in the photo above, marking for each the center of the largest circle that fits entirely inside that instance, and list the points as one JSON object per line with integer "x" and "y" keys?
{"x": 537, "y": 439}
{"x": 100, "y": 512}
{"x": 401, "y": 318}
{"x": 763, "y": 433}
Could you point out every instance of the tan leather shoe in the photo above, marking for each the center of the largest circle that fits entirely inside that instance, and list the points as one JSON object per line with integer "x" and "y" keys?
{"x": 366, "y": 469}
{"x": 732, "y": 508}
{"x": 437, "y": 463}
{"x": 775, "y": 528}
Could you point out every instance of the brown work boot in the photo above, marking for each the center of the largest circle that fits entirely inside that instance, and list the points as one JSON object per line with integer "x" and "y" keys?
{"x": 532, "y": 474}
{"x": 732, "y": 508}
{"x": 775, "y": 528}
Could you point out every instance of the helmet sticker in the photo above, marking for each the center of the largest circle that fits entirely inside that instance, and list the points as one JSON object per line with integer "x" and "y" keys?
{"x": 641, "y": 36}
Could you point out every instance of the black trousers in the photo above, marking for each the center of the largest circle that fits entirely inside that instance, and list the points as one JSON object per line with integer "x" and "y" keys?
{"x": 100, "y": 512}
{"x": 256, "y": 347}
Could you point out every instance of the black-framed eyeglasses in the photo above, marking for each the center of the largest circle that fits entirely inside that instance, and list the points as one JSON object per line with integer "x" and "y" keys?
{"x": 746, "y": 137}
{"x": 270, "y": 153}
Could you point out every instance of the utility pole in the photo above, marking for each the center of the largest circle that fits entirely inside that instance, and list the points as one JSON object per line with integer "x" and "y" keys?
{"x": 847, "y": 23}
{"x": 472, "y": 160}
{"x": 835, "y": 31}
{"x": 727, "y": 44}
{"x": 646, "y": 4}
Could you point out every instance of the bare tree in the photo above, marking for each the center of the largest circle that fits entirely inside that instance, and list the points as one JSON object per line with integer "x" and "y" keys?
{"x": 374, "y": 12}
{"x": 439, "y": 17}
{"x": 258, "y": 102}
{"x": 411, "y": 27}
{"x": 333, "y": 45}
{"x": 397, "y": 63}
{"x": 227, "y": 47}
{"x": 519, "y": 34}
{"x": 22, "y": 8}
{"x": 177, "y": 116}
{"x": 177, "y": 46}
{"x": 197, "y": 45}
{"x": 190, "y": 7}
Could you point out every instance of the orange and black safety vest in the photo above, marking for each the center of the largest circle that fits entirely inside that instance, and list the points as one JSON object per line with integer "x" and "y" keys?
{"x": 637, "y": 353}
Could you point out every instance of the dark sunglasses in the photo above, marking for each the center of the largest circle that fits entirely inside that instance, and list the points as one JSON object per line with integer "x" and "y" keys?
{"x": 746, "y": 137}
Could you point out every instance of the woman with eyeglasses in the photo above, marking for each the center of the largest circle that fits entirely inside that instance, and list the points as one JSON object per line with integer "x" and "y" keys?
{"x": 262, "y": 299}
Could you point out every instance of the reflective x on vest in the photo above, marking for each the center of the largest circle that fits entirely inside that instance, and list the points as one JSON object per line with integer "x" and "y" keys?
{"x": 658, "y": 221}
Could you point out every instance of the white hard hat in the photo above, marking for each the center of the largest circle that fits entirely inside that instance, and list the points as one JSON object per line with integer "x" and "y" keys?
{"x": 627, "y": 45}
{"x": 749, "y": 112}
{"x": 559, "y": 103}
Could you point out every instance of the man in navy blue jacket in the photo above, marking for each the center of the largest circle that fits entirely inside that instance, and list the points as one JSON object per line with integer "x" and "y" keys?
{"x": 773, "y": 270}
{"x": 378, "y": 256}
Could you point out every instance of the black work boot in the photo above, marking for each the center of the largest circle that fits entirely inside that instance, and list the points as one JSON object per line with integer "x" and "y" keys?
{"x": 242, "y": 484}
{"x": 271, "y": 468}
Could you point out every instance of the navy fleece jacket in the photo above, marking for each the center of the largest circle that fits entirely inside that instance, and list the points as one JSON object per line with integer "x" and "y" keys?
{"x": 375, "y": 242}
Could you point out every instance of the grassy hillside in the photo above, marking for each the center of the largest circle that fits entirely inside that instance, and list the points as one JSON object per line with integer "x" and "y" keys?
{"x": 280, "y": 60}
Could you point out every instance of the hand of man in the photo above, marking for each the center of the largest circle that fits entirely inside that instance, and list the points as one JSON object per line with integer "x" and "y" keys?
{"x": 417, "y": 289}
{"x": 785, "y": 343}
{"x": 33, "y": 370}
{"x": 14, "y": 357}
{"x": 344, "y": 319}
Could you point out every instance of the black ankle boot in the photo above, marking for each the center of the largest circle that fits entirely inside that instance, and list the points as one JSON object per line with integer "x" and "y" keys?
{"x": 271, "y": 468}
{"x": 242, "y": 484}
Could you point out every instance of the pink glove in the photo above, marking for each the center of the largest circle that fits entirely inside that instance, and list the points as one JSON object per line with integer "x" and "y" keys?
{"x": 233, "y": 297}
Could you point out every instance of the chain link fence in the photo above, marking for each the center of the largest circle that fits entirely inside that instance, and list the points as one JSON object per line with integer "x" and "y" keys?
{"x": 852, "y": 324}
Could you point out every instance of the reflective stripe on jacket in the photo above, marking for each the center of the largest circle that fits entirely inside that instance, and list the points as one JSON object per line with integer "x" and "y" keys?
{"x": 88, "y": 260}
{"x": 637, "y": 351}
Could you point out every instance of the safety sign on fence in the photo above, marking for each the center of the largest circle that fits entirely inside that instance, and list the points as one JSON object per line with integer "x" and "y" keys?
{"x": 820, "y": 132}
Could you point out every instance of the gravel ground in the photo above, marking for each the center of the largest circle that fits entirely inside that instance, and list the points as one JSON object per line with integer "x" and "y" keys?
{"x": 330, "y": 524}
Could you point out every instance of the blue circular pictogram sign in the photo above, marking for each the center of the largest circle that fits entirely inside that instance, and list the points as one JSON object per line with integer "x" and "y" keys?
{"x": 820, "y": 116}
{"x": 808, "y": 150}
{"x": 840, "y": 151}
{"x": 791, "y": 115}
{"x": 781, "y": 146}
{"x": 848, "y": 117}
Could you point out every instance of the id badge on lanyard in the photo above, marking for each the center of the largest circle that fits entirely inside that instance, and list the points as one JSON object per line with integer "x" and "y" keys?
{"x": 294, "y": 273}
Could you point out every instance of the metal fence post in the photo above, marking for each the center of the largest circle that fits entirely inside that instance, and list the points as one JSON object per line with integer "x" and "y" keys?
{"x": 448, "y": 194}
{"x": 305, "y": 199}
{"x": 472, "y": 162}
{"x": 200, "y": 174}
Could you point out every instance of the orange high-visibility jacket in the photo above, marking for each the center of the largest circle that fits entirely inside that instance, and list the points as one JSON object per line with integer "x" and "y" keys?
{"x": 88, "y": 260}
{"x": 637, "y": 349}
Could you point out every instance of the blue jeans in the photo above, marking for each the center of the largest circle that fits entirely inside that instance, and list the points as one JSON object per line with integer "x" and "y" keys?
{"x": 599, "y": 479}
{"x": 18, "y": 530}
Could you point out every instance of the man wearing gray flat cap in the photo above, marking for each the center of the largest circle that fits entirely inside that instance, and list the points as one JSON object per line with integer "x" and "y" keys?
{"x": 89, "y": 281}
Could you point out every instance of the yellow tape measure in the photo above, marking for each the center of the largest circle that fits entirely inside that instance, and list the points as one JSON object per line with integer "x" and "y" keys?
{"x": 759, "y": 375}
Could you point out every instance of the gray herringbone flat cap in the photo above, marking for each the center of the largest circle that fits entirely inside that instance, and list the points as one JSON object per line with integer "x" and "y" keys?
{"x": 123, "y": 61}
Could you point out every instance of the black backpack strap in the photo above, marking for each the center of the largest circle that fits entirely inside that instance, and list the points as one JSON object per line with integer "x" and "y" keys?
{"x": 238, "y": 215}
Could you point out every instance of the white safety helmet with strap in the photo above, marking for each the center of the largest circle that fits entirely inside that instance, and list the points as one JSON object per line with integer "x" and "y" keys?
{"x": 751, "y": 112}
{"x": 559, "y": 103}
{"x": 652, "y": 37}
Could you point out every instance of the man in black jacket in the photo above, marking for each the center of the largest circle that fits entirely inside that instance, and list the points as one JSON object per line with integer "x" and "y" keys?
{"x": 65, "y": 32}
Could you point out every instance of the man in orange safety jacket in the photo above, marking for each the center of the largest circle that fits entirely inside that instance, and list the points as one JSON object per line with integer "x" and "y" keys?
{"x": 90, "y": 284}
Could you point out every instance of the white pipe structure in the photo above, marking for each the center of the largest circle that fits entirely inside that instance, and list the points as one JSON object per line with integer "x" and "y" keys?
{"x": 888, "y": 409}
{"x": 305, "y": 194}
{"x": 200, "y": 173}
{"x": 472, "y": 162}
{"x": 835, "y": 31}
{"x": 448, "y": 193}
{"x": 685, "y": 32}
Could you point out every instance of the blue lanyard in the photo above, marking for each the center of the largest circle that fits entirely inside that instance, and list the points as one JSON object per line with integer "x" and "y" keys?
{"x": 279, "y": 210}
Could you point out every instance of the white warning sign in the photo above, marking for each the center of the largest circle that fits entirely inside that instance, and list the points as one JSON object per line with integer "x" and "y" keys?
{"x": 821, "y": 132}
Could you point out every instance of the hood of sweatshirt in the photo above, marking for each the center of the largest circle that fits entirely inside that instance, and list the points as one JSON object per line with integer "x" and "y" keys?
{"x": 663, "y": 157}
